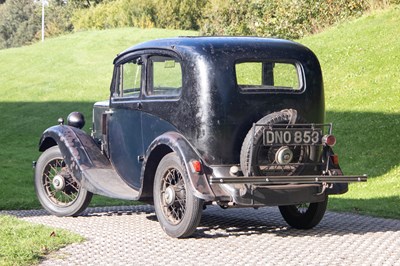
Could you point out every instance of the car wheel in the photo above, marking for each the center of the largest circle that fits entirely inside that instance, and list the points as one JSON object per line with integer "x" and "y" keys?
{"x": 304, "y": 216}
{"x": 177, "y": 209}
{"x": 56, "y": 188}
{"x": 264, "y": 158}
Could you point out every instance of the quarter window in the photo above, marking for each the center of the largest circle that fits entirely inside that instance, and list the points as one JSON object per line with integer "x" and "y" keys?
{"x": 165, "y": 76}
{"x": 268, "y": 76}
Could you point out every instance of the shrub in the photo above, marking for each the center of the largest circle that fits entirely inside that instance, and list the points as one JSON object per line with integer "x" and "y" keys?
{"x": 179, "y": 14}
{"x": 285, "y": 18}
{"x": 175, "y": 14}
{"x": 119, "y": 13}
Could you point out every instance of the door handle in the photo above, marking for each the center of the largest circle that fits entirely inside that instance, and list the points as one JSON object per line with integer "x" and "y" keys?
{"x": 139, "y": 106}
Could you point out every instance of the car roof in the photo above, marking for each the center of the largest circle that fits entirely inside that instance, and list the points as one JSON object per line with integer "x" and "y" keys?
{"x": 219, "y": 44}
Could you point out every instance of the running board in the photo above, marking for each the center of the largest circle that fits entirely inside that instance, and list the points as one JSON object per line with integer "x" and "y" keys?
{"x": 108, "y": 183}
{"x": 269, "y": 180}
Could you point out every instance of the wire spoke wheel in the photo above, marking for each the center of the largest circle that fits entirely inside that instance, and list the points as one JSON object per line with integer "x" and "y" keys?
{"x": 266, "y": 163}
{"x": 177, "y": 209}
{"x": 59, "y": 184}
{"x": 278, "y": 159}
{"x": 56, "y": 188}
{"x": 173, "y": 196}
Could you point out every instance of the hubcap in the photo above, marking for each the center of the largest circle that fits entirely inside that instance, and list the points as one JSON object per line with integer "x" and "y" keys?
{"x": 59, "y": 182}
{"x": 284, "y": 155}
{"x": 169, "y": 195}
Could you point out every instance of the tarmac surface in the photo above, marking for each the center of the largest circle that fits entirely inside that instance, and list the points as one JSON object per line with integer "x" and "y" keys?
{"x": 131, "y": 235}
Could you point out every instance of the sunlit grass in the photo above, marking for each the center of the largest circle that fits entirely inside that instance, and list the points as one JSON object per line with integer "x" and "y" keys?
{"x": 360, "y": 62}
{"x": 44, "y": 81}
{"x": 23, "y": 243}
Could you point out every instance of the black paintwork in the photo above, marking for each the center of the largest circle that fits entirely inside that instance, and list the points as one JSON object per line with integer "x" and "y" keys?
{"x": 212, "y": 112}
{"x": 208, "y": 121}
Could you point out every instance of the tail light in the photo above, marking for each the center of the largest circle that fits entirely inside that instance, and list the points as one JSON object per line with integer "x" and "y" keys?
{"x": 335, "y": 159}
{"x": 329, "y": 140}
{"x": 196, "y": 166}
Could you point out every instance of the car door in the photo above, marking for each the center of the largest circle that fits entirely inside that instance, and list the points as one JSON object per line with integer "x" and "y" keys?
{"x": 124, "y": 126}
{"x": 161, "y": 103}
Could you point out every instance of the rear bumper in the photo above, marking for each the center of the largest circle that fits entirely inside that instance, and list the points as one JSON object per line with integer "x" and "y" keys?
{"x": 282, "y": 190}
{"x": 273, "y": 180}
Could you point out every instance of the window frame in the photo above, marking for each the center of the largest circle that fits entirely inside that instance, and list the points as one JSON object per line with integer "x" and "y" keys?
{"x": 150, "y": 73}
{"x": 144, "y": 54}
{"x": 115, "y": 92}
{"x": 268, "y": 89}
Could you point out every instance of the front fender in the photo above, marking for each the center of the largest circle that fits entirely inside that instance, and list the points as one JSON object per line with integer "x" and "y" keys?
{"x": 199, "y": 184}
{"x": 75, "y": 146}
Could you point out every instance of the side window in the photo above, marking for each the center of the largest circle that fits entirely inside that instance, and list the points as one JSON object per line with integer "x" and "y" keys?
{"x": 165, "y": 76}
{"x": 130, "y": 78}
{"x": 268, "y": 76}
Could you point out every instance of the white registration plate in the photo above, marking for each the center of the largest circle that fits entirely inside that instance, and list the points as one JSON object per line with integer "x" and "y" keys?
{"x": 292, "y": 137}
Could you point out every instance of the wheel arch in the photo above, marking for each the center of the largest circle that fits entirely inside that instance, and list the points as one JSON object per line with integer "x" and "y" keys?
{"x": 174, "y": 142}
{"x": 47, "y": 142}
{"x": 150, "y": 169}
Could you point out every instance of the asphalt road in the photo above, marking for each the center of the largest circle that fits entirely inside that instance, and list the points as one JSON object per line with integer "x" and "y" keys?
{"x": 131, "y": 235}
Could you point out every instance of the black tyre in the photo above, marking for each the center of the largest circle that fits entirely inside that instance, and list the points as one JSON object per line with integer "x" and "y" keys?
{"x": 177, "y": 209}
{"x": 304, "y": 216}
{"x": 263, "y": 158}
{"x": 56, "y": 188}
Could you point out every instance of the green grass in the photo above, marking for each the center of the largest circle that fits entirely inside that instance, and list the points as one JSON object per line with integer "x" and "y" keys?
{"x": 361, "y": 66}
{"x": 25, "y": 244}
{"x": 360, "y": 62}
{"x": 44, "y": 81}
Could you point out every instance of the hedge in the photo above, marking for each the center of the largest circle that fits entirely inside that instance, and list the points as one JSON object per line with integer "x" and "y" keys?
{"x": 282, "y": 18}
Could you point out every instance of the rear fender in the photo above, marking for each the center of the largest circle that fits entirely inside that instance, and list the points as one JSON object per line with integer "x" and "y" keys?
{"x": 336, "y": 188}
{"x": 173, "y": 141}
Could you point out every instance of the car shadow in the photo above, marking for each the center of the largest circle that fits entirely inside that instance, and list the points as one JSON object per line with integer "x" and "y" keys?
{"x": 236, "y": 222}
{"x": 217, "y": 222}
{"x": 267, "y": 220}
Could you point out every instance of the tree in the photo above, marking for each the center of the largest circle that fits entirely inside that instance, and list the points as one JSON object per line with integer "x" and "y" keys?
{"x": 18, "y": 23}
{"x": 84, "y": 3}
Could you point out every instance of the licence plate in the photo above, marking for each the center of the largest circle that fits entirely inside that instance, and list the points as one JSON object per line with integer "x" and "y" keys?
{"x": 292, "y": 137}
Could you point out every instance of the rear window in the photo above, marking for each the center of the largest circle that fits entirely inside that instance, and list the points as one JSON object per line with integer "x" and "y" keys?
{"x": 264, "y": 76}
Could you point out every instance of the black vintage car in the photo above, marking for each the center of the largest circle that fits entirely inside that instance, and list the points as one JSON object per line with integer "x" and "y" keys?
{"x": 193, "y": 121}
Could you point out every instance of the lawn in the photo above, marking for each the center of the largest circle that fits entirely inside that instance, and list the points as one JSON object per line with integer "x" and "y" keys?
{"x": 360, "y": 62}
{"x": 44, "y": 81}
{"x": 25, "y": 244}
{"x": 361, "y": 65}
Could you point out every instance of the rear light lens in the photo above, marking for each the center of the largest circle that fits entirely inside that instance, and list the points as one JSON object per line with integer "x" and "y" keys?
{"x": 196, "y": 166}
{"x": 329, "y": 140}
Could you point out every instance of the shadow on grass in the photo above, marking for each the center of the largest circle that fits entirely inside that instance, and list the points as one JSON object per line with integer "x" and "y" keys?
{"x": 22, "y": 124}
{"x": 367, "y": 143}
